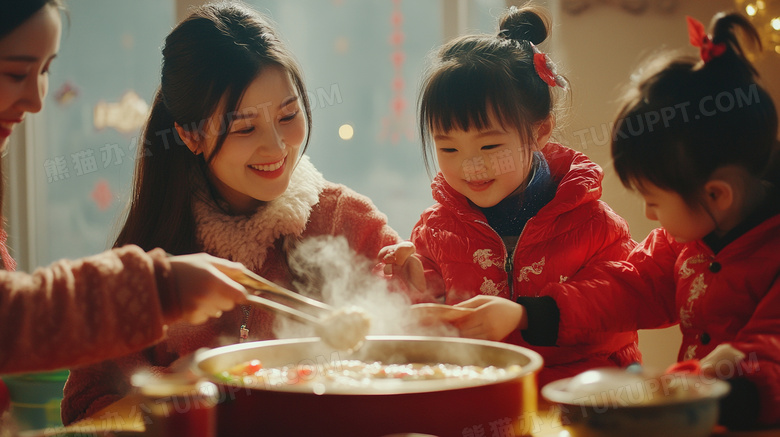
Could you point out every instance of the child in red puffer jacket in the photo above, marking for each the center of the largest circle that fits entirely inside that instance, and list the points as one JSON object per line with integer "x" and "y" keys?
{"x": 514, "y": 211}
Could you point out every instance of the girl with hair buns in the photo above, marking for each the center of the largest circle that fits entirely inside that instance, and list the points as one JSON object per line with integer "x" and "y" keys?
{"x": 223, "y": 171}
{"x": 708, "y": 172}
{"x": 515, "y": 212}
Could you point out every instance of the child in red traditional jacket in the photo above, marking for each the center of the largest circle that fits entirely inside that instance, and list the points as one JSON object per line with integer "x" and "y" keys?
{"x": 698, "y": 140}
{"x": 514, "y": 212}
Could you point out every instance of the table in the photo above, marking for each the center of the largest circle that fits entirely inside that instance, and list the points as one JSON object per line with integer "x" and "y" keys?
{"x": 123, "y": 419}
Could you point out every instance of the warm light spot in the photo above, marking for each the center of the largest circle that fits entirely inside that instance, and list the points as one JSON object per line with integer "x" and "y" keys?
{"x": 777, "y": 49}
{"x": 346, "y": 132}
{"x": 126, "y": 116}
{"x": 760, "y": 4}
{"x": 775, "y": 23}
{"x": 341, "y": 45}
{"x": 750, "y": 9}
{"x": 102, "y": 194}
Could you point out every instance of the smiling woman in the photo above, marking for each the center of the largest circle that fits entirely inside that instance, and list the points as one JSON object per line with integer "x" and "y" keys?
{"x": 74, "y": 311}
{"x": 27, "y": 53}
{"x": 232, "y": 181}
{"x": 258, "y": 156}
{"x": 29, "y": 41}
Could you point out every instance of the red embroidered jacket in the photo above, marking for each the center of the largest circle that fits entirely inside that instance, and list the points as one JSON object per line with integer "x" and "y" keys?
{"x": 569, "y": 237}
{"x": 730, "y": 297}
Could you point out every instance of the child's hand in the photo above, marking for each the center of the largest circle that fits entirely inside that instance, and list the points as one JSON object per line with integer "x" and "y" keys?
{"x": 400, "y": 260}
{"x": 723, "y": 354}
{"x": 204, "y": 290}
{"x": 494, "y": 318}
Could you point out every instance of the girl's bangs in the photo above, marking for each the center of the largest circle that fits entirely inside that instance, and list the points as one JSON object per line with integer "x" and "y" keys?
{"x": 465, "y": 99}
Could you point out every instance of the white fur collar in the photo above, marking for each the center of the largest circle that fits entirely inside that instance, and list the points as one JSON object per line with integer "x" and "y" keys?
{"x": 246, "y": 239}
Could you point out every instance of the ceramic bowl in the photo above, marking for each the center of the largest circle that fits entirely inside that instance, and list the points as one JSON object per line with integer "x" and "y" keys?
{"x": 614, "y": 402}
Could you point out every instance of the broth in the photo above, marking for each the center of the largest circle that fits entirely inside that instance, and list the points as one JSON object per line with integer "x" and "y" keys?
{"x": 346, "y": 374}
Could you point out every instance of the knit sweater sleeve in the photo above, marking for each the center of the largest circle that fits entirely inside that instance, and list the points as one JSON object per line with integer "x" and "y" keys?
{"x": 75, "y": 312}
{"x": 425, "y": 241}
{"x": 355, "y": 217}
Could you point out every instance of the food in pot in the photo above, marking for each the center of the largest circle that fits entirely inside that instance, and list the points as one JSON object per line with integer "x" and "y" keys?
{"x": 356, "y": 373}
{"x": 345, "y": 328}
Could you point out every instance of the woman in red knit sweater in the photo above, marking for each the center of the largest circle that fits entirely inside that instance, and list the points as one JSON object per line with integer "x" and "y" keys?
{"x": 75, "y": 312}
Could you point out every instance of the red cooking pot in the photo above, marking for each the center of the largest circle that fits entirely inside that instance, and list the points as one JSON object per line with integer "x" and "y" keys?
{"x": 439, "y": 407}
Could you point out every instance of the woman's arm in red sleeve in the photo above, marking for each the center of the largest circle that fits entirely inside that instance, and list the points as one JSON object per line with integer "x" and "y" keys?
{"x": 80, "y": 311}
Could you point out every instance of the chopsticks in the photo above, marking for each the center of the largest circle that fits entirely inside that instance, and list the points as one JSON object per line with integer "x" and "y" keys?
{"x": 342, "y": 329}
{"x": 257, "y": 283}
{"x": 284, "y": 310}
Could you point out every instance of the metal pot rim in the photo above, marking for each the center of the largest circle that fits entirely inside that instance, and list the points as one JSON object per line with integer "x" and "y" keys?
{"x": 535, "y": 360}
{"x": 533, "y": 366}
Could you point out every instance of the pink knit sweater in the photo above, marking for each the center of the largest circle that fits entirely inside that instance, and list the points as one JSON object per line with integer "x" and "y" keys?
{"x": 75, "y": 312}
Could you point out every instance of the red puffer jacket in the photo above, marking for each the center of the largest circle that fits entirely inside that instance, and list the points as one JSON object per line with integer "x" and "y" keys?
{"x": 730, "y": 297}
{"x": 567, "y": 238}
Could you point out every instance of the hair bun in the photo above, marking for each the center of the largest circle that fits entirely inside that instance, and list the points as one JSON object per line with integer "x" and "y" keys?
{"x": 730, "y": 28}
{"x": 524, "y": 24}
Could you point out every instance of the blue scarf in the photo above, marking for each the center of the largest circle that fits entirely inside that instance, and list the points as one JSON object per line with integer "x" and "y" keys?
{"x": 509, "y": 217}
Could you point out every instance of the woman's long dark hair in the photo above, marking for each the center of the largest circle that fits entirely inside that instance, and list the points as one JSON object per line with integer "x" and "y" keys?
{"x": 16, "y": 12}
{"x": 212, "y": 55}
{"x": 684, "y": 118}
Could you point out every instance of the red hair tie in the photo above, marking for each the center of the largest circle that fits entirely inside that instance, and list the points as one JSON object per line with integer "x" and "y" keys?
{"x": 699, "y": 38}
{"x": 546, "y": 69}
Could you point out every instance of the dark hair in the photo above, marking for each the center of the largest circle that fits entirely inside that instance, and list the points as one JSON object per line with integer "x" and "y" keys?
{"x": 213, "y": 54}
{"x": 684, "y": 118}
{"x": 476, "y": 74}
{"x": 16, "y": 12}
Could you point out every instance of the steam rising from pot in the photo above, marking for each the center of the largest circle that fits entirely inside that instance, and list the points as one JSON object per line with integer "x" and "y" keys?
{"x": 327, "y": 269}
